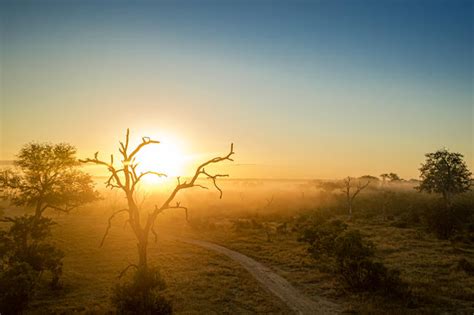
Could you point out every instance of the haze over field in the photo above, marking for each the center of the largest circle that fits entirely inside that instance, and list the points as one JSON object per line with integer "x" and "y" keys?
{"x": 236, "y": 157}
{"x": 320, "y": 89}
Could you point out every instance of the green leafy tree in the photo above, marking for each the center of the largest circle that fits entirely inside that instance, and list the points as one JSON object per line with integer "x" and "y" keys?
{"x": 17, "y": 283}
{"x": 26, "y": 241}
{"x": 445, "y": 173}
{"x": 25, "y": 255}
{"x": 392, "y": 177}
{"x": 46, "y": 176}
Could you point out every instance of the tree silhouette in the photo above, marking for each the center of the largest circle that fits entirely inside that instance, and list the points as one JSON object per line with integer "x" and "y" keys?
{"x": 446, "y": 173}
{"x": 349, "y": 193}
{"x": 387, "y": 178}
{"x": 126, "y": 178}
{"x": 46, "y": 176}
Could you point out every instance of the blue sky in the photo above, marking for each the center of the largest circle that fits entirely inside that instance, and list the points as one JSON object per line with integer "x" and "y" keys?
{"x": 341, "y": 87}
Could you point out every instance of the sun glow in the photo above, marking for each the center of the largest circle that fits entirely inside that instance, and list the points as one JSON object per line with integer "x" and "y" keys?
{"x": 167, "y": 158}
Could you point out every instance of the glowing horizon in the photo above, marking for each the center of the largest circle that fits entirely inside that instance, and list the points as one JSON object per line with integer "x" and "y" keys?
{"x": 307, "y": 90}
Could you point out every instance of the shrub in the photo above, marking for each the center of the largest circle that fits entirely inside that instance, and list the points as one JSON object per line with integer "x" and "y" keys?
{"x": 142, "y": 295}
{"x": 349, "y": 245}
{"x": 353, "y": 257}
{"x": 17, "y": 282}
{"x": 360, "y": 272}
{"x": 321, "y": 236}
{"x": 26, "y": 242}
{"x": 466, "y": 265}
{"x": 445, "y": 223}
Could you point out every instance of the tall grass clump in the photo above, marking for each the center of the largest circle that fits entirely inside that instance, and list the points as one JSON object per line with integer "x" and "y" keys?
{"x": 143, "y": 294}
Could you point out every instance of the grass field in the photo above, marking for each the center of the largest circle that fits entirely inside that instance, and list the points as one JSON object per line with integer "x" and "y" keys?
{"x": 199, "y": 281}
{"x": 427, "y": 264}
{"x": 204, "y": 282}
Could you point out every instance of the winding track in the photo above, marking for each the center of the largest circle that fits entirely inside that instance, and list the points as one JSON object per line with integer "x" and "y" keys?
{"x": 277, "y": 285}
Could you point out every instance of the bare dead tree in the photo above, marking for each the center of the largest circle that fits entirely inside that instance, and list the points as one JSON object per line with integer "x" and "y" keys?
{"x": 351, "y": 195}
{"x": 269, "y": 202}
{"x": 125, "y": 177}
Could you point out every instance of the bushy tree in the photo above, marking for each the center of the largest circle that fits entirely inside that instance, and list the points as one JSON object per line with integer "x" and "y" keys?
{"x": 445, "y": 173}
{"x": 353, "y": 258}
{"x": 25, "y": 255}
{"x": 46, "y": 176}
{"x": 26, "y": 241}
{"x": 17, "y": 282}
{"x": 359, "y": 269}
{"x": 321, "y": 236}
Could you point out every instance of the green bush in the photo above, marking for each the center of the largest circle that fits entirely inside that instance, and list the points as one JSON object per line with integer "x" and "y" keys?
{"x": 445, "y": 223}
{"x": 321, "y": 236}
{"x": 142, "y": 295}
{"x": 466, "y": 266}
{"x": 355, "y": 259}
{"x": 26, "y": 241}
{"x": 24, "y": 255}
{"x": 17, "y": 282}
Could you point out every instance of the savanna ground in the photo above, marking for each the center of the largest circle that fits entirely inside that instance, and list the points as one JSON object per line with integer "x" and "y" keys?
{"x": 259, "y": 220}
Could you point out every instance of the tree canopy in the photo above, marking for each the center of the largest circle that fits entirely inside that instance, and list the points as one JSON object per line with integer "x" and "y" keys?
{"x": 444, "y": 172}
{"x": 47, "y": 176}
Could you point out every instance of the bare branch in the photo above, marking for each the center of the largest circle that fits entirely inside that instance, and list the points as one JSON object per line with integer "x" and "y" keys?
{"x": 145, "y": 141}
{"x": 7, "y": 219}
{"x": 110, "y": 167}
{"x": 160, "y": 210}
{"x": 360, "y": 188}
{"x": 123, "y": 272}
{"x": 66, "y": 209}
{"x": 147, "y": 173}
{"x": 110, "y": 225}
{"x": 269, "y": 201}
{"x": 214, "y": 177}
{"x": 154, "y": 232}
{"x": 200, "y": 186}
{"x": 199, "y": 171}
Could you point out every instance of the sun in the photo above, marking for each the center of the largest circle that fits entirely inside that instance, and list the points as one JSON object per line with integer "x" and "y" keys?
{"x": 166, "y": 157}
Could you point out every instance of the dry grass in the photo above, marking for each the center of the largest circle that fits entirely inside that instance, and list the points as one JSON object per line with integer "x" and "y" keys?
{"x": 427, "y": 264}
{"x": 199, "y": 281}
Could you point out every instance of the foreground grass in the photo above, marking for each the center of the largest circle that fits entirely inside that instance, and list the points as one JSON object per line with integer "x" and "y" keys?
{"x": 428, "y": 265}
{"x": 198, "y": 280}
{"x": 202, "y": 282}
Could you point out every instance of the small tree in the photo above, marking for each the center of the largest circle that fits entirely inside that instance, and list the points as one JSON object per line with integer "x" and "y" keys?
{"x": 387, "y": 178}
{"x": 445, "y": 173}
{"x": 47, "y": 176}
{"x": 26, "y": 241}
{"x": 351, "y": 191}
{"x": 125, "y": 177}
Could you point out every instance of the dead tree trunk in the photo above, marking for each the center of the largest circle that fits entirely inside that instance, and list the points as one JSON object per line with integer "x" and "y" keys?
{"x": 350, "y": 196}
{"x": 142, "y": 254}
{"x": 125, "y": 178}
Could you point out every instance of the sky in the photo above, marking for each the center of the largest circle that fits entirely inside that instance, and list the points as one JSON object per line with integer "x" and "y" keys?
{"x": 305, "y": 89}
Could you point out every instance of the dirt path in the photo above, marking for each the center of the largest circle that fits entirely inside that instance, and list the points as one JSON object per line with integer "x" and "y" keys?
{"x": 277, "y": 285}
